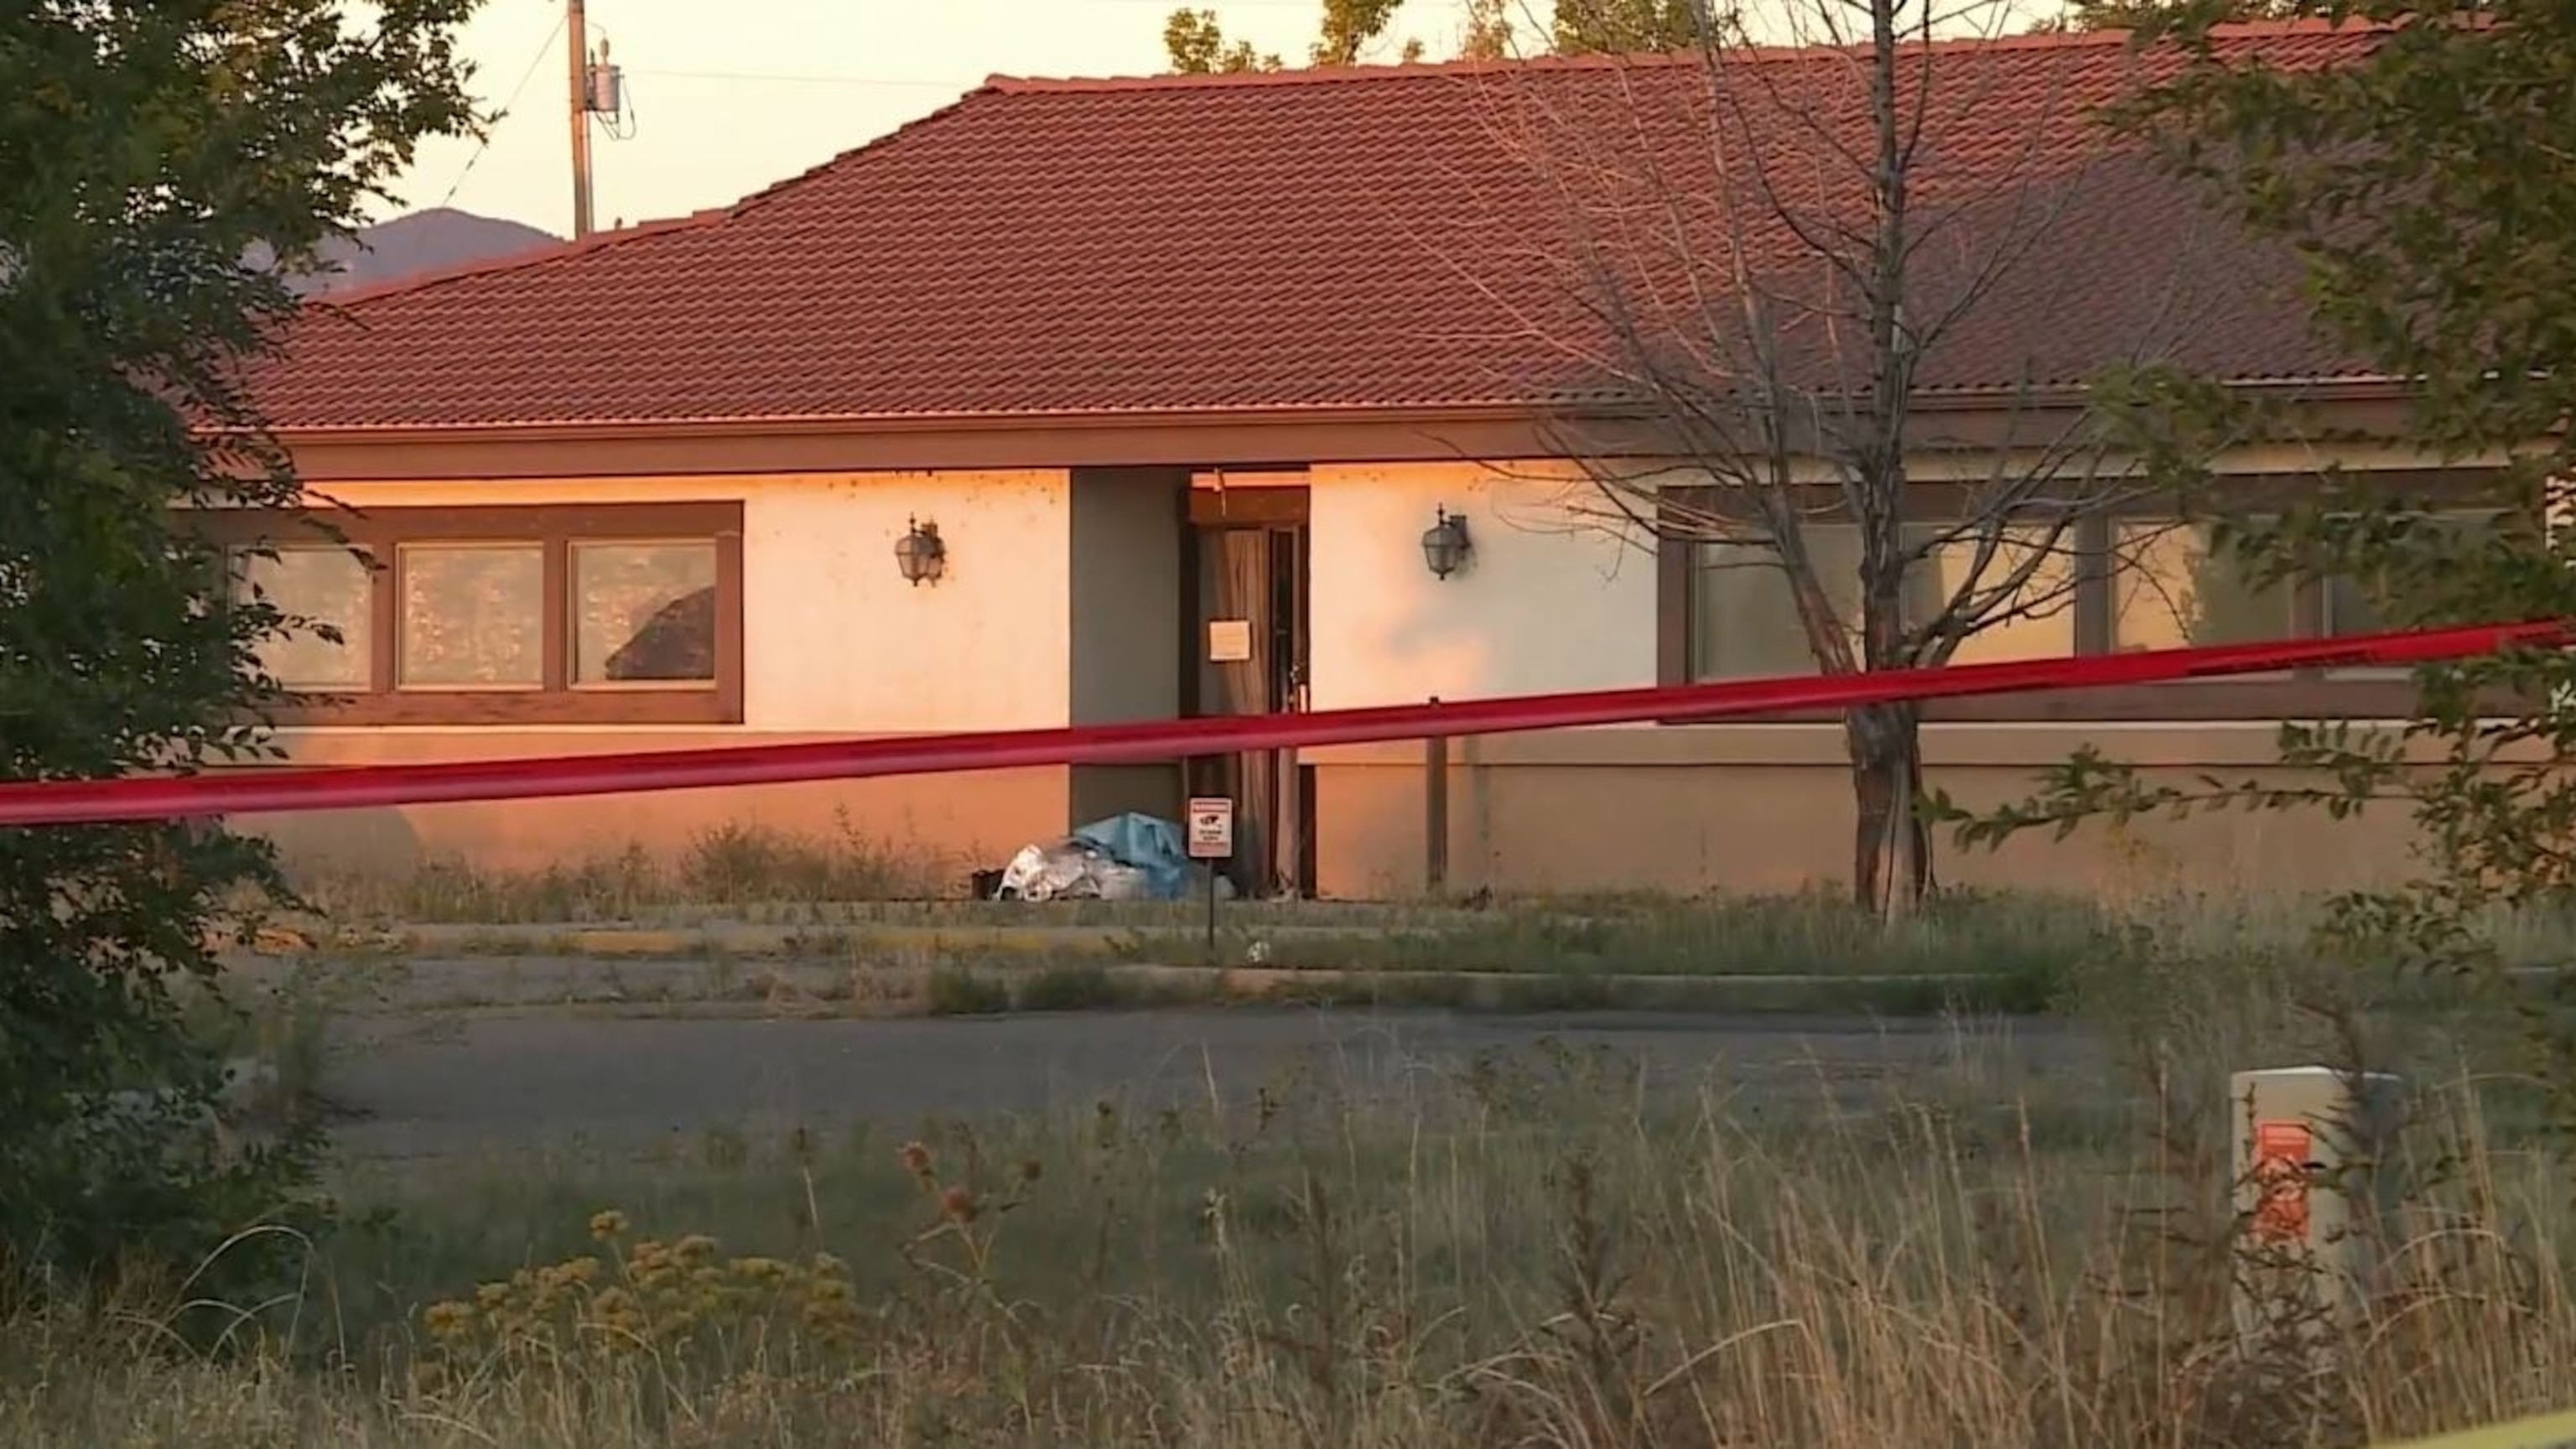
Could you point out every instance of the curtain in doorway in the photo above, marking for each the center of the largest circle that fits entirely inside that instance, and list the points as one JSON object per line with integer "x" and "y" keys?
{"x": 1243, "y": 591}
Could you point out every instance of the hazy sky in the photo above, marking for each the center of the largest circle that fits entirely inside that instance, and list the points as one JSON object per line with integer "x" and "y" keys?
{"x": 726, "y": 96}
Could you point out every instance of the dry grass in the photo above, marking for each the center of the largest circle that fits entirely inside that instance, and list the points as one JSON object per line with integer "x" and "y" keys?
{"x": 855, "y": 914}
{"x": 1546, "y": 1249}
{"x": 752, "y": 875}
{"x": 721, "y": 871}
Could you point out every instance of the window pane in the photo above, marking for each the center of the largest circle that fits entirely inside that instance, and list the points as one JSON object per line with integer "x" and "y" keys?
{"x": 473, "y": 615}
{"x": 2350, "y": 609}
{"x": 323, "y": 585}
{"x": 1744, "y": 620}
{"x": 644, "y": 612}
{"x": 1744, "y": 617}
{"x": 2038, "y": 624}
{"x": 2353, "y": 608}
{"x": 2172, "y": 589}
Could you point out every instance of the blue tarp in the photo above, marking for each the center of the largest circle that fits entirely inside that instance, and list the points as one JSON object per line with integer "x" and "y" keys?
{"x": 1147, "y": 845}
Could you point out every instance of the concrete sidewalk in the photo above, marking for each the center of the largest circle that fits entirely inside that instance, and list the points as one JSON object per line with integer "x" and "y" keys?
{"x": 803, "y": 988}
{"x": 761, "y": 939}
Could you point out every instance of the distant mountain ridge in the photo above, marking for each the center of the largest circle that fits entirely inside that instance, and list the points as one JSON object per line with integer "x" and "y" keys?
{"x": 422, "y": 241}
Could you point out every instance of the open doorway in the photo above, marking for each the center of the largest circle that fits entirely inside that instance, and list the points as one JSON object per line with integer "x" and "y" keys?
{"x": 1247, "y": 575}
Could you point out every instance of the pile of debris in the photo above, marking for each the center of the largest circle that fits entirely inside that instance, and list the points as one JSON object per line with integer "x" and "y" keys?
{"x": 1128, "y": 857}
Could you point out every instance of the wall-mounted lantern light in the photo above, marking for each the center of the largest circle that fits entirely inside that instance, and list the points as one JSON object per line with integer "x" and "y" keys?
{"x": 920, "y": 553}
{"x": 1444, "y": 544}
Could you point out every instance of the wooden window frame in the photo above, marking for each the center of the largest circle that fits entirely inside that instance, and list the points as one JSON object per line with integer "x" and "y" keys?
{"x": 2306, "y": 694}
{"x": 380, "y": 532}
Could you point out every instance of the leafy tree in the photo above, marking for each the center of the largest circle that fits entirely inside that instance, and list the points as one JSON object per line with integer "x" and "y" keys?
{"x": 1622, "y": 27}
{"x": 2429, "y": 190}
{"x": 1351, "y": 26}
{"x": 1489, "y": 34}
{"x": 1195, "y": 43}
{"x": 2161, "y": 15}
{"x": 147, "y": 148}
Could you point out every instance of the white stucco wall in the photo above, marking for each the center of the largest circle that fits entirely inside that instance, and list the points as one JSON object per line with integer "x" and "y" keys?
{"x": 1550, "y": 601}
{"x": 834, "y": 639}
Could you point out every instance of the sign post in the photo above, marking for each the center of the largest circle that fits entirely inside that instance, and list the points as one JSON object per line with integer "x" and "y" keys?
{"x": 1211, "y": 840}
{"x": 2309, "y": 1141}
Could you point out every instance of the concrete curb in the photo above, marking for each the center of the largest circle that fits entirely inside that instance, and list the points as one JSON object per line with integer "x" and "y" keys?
{"x": 879, "y": 971}
{"x": 996, "y": 991}
{"x": 1494, "y": 989}
{"x": 811, "y": 988}
{"x": 755, "y": 940}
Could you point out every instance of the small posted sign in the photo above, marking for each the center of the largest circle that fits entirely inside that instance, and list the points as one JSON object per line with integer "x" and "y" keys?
{"x": 1211, "y": 827}
{"x": 2281, "y": 1151}
{"x": 1229, "y": 641}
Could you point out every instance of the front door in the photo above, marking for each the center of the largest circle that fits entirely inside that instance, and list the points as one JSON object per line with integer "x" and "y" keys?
{"x": 1249, "y": 652}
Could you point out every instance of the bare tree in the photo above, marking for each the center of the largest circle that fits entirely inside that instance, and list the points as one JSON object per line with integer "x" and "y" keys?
{"x": 1778, "y": 258}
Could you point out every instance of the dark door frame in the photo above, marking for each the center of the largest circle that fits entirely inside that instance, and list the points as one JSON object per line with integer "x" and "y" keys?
{"x": 1282, "y": 512}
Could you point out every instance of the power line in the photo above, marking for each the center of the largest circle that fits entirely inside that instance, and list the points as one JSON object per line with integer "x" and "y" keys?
{"x": 856, "y": 82}
{"x": 544, "y": 48}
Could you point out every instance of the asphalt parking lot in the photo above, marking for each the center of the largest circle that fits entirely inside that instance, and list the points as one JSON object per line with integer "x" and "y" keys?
{"x": 494, "y": 1083}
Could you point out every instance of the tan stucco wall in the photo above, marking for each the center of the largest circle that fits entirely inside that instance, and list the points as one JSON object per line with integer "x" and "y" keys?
{"x": 1768, "y": 808}
{"x": 950, "y": 824}
{"x": 1682, "y": 810}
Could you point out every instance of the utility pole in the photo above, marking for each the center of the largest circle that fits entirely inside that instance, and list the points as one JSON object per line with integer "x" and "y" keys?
{"x": 577, "y": 47}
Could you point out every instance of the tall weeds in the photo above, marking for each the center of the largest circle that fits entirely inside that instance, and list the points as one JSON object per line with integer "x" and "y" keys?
{"x": 1550, "y": 1250}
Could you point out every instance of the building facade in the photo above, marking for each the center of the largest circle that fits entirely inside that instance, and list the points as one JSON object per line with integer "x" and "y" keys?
{"x": 1171, "y": 377}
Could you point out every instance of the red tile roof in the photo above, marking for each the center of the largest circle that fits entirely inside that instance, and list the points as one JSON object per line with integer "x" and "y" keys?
{"x": 1391, "y": 237}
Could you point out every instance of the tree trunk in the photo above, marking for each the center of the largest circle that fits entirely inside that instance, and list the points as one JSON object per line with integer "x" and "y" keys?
{"x": 1891, "y": 845}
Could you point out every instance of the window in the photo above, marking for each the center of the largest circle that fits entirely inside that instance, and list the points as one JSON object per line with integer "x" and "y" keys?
{"x": 313, "y": 587}
{"x": 2173, "y": 587}
{"x": 607, "y": 614}
{"x": 2038, "y": 622}
{"x": 473, "y": 615}
{"x": 644, "y": 613}
{"x": 2348, "y": 606}
{"x": 2352, "y": 606}
{"x": 1744, "y": 615}
{"x": 2116, "y": 584}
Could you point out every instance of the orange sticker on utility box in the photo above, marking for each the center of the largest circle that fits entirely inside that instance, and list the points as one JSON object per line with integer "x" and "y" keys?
{"x": 2281, "y": 1177}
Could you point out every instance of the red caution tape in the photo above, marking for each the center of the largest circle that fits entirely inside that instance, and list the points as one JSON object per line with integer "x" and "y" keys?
{"x": 354, "y": 787}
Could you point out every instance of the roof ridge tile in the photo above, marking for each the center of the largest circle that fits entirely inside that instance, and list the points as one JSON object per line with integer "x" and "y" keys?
{"x": 1318, "y": 75}
{"x": 554, "y": 251}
